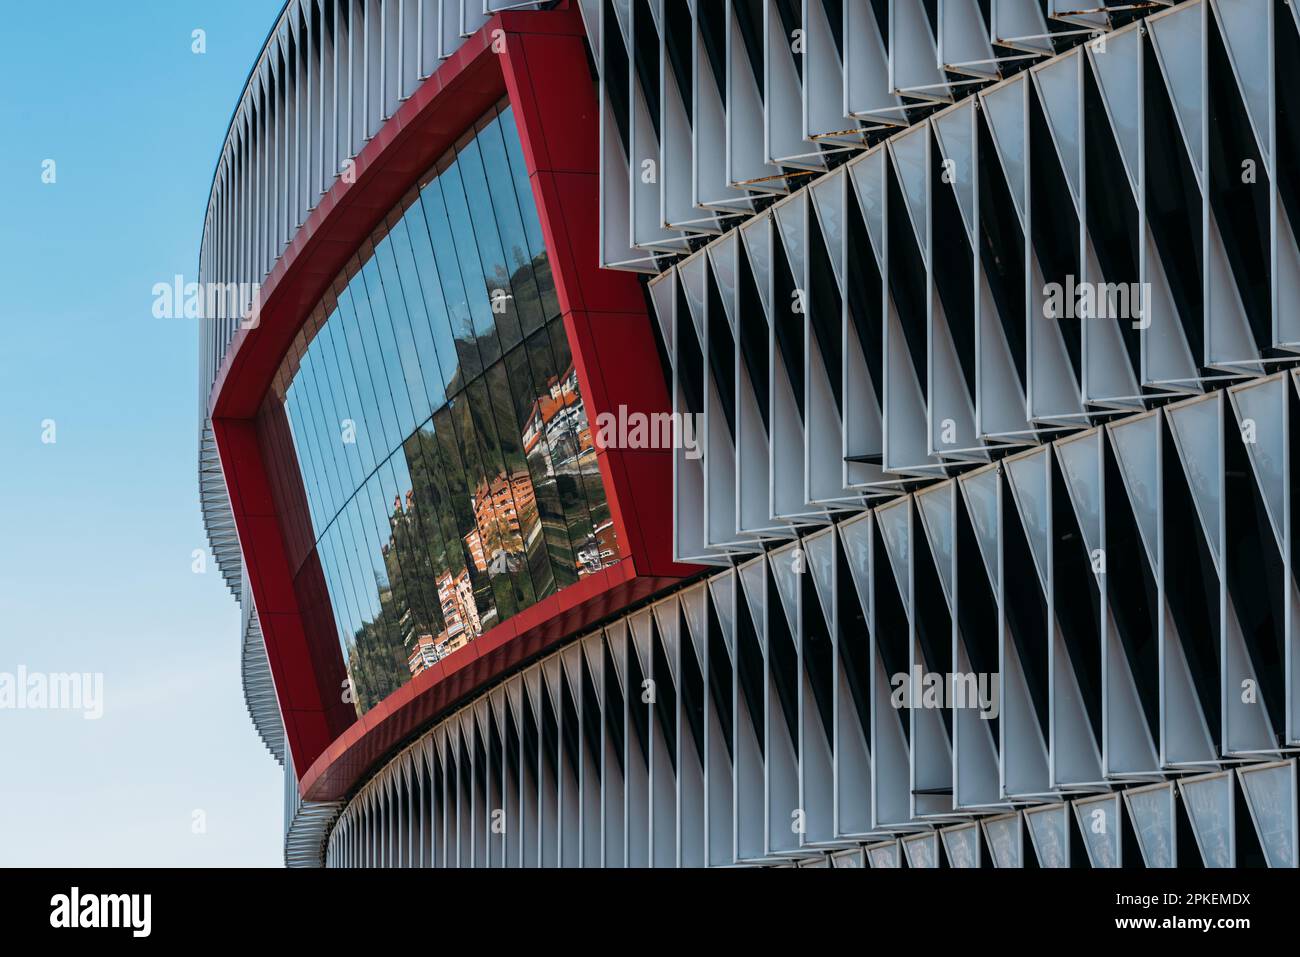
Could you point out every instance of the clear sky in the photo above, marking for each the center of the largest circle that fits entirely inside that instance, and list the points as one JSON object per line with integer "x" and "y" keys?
{"x": 97, "y": 529}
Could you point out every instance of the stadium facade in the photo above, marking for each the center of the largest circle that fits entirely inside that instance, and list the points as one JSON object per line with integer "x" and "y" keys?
{"x": 723, "y": 432}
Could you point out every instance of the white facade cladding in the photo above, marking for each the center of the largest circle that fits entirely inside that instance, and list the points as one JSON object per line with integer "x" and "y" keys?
{"x": 330, "y": 74}
{"x": 258, "y": 685}
{"x": 769, "y": 737}
{"x": 306, "y": 823}
{"x": 987, "y": 312}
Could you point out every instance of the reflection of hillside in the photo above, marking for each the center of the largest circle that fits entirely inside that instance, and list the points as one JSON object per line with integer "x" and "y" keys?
{"x": 557, "y": 415}
{"x": 504, "y": 503}
{"x": 529, "y": 291}
{"x": 441, "y": 344}
{"x": 504, "y": 508}
{"x": 456, "y": 596}
{"x": 438, "y": 573}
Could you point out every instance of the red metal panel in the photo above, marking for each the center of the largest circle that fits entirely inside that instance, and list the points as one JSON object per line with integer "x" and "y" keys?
{"x": 311, "y": 718}
{"x": 539, "y": 59}
{"x": 392, "y": 722}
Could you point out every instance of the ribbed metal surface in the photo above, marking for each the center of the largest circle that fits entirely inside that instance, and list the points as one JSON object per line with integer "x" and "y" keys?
{"x": 917, "y": 466}
{"x": 332, "y": 72}
{"x": 306, "y": 824}
{"x": 218, "y": 520}
{"x": 908, "y": 461}
{"x": 712, "y": 108}
{"x": 259, "y": 687}
{"x": 746, "y": 721}
{"x": 910, "y": 312}
{"x": 831, "y": 363}
{"x": 886, "y": 293}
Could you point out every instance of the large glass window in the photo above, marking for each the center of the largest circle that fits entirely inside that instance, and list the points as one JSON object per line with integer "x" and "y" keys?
{"x": 440, "y": 435}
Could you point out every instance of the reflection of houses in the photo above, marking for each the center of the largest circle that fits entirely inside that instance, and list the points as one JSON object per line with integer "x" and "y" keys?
{"x": 557, "y": 416}
{"x": 607, "y": 540}
{"x": 602, "y": 552}
{"x": 474, "y": 543}
{"x": 503, "y": 506}
{"x": 423, "y": 655}
{"x": 503, "y": 501}
{"x": 498, "y": 506}
{"x": 459, "y": 612}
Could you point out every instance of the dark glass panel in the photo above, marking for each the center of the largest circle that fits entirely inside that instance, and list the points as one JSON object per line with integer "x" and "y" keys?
{"x": 343, "y": 563}
{"x": 352, "y": 355}
{"x": 603, "y": 548}
{"x": 338, "y": 580}
{"x": 497, "y": 278}
{"x": 535, "y": 411}
{"x": 510, "y": 442}
{"x": 528, "y": 209}
{"x": 373, "y": 659}
{"x": 471, "y": 265}
{"x": 343, "y": 399}
{"x": 319, "y": 399}
{"x": 564, "y": 450}
{"x": 532, "y": 311}
{"x": 394, "y": 604}
{"x": 453, "y": 285}
{"x": 459, "y": 594}
{"x": 395, "y": 360}
{"x": 424, "y": 269}
{"x": 410, "y": 350}
{"x": 303, "y": 430}
{"x": 493, "y": 545}
{"x": 426, "y": 346}
{"x": 419, "y": 549}
{"x": 406, "y": 568}
{"x": 385, "y": 434}
{"x": 458, "y": 496}
{"x": 508, "y": 488}
{"x": 449, "y": 485}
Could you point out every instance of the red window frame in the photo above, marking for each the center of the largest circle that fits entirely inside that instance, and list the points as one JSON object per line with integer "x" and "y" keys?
{"x": 539, "y": 62}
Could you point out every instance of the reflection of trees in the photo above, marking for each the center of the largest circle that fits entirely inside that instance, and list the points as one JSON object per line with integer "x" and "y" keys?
{"x": 414, "y": 610}
{"x": 462, "y": 510}
{"x": 377, "y": 652}
{"x": 410, "y": 566}
{"x": 376, "y": 662}
{"x": 430, "y": 499}
{"x": 530, "y": 291}
{"x": 521, "y": 285}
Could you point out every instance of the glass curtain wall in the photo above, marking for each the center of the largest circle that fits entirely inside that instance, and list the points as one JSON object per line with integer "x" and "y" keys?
{"x": 434, "y": 414}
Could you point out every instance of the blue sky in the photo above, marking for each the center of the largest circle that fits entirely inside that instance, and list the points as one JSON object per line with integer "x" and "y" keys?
{"x": 97, "y": 529}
